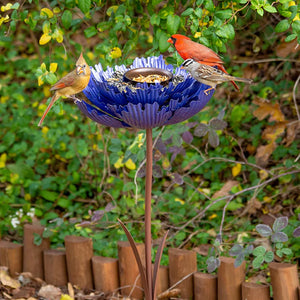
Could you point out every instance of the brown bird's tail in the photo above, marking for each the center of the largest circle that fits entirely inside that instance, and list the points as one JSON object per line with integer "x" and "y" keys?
{"x": 220, "y": 67}
{"x": 54, "y": 98}
{"x": 246, "y": 80}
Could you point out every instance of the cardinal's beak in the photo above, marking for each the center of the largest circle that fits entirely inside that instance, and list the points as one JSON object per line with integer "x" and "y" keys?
{"x": 170, "y": 41}
{"x": 79, "y": 70}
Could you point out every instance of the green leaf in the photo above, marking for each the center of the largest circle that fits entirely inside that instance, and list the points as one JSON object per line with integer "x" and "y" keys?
{"x": 187, "y": 12}
{"x": 259, "y": 251}
{"x": 256, "y": 263}
{"x": 155, "y": 19}
{"x": 226, "y": 31}
{"x": 50, "y": 78}
{"x": 198, "y": 12}
{"x": 223, "y": 14}
{"x": 37, "y": 239}
{"x": 84, "y": 5}
{"x": 283, "y": 25}
{"x": 269, "y": 256}
{"x": 269, "y": 8}
{"x": 260, "y": 11}
{"x": 90, "y": 31}
{"x": 66, "y": 19}
{"x": 163, "y": 42}
{"x": 22, "y": 169}
{"x": 296, "y": 26}
{"x": 287, "y": 251}
{"x": 48, "y": 195}
{"x": 173, "y": 22}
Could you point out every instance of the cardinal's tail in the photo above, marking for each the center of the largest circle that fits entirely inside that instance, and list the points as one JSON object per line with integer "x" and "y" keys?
{"x": 54, "y": 98}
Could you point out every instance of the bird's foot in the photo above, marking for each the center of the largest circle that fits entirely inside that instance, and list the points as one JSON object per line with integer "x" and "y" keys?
{"x": 207, "y": 90}
{"x": 75, "y": 99}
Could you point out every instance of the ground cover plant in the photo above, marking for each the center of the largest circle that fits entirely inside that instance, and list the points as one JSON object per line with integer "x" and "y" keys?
{"x": 217, "y": 176}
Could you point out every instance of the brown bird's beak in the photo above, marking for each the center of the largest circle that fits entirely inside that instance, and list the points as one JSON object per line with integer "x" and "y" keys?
{"x": 79, "y": 70}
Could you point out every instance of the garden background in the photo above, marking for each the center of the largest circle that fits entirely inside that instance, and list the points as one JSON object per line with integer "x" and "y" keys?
{"x": 211, "y": 187}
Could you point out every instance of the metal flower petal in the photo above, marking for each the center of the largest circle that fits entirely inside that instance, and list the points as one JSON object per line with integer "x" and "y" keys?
{"x": 146, "y": 105}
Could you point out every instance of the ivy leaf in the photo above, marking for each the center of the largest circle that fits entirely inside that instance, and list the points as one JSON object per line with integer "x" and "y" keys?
{"x": 249, "y": 250}
{"x": 201, "y": 130}
{"x": 296, "y": 232}
{"x": 84, "y": 5}
{"x": 239, "y": 260}
{"x": 37, "y": 239}
{"x": 212, "y": 264}
{"x": 177, "y": 178}
{"x": 264, "y": 230}
{"x": 280, "y": 223}
{"x": 279, "y": 237}
{"x": 217, "y": 124}
{"x": 187, "y": 137}
{"x": 213, "y": 138}
{"x": 235, "y": 250}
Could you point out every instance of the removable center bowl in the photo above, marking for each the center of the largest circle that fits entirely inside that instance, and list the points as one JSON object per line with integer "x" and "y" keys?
{"x": 148, "y": 75}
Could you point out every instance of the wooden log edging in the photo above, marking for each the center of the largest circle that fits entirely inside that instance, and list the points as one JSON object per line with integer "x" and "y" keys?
{"x": 33, "y": 261}
{"x": 186, "y": 262}
{"x": 78, "y": 259}
{"x": 230, "y": 279}
{"x": 255, "y": 291}
{"x": 11, "y": 256}
{"x": 106, "y": 274}
{"x": 205, "y": 286}
{"x": 55, "y": 266}
{"x": 79, "y": 253}
{"x": 129, "y": 271}
{"x": 284, "y": 280}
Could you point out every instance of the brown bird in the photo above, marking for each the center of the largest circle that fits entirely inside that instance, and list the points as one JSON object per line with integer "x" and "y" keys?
{"x": 71, "y": 84}
{"x": 200, "y": 53}
{"x": 209, "y": 75}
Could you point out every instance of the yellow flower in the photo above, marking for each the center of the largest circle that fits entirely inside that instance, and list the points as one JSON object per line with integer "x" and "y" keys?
{"x": 53, "y": 67}
{"x": 3, "y": 158}
{"x": 118, "y": 164}
{"x": 44, "y": 39}
{"x": 45, "y": 129}
{"x": 4, "y": 20}
{"x": 197, "y": 35}
{"x": 116, "y": 52}
{"x": 46, "y": 12}
{"x": 27, "y": 197}
{"x": 236, "y": 170}
{"x": 8, "y": 6}
{"x": 213, "y": 216}
{"x": 66, "y": 297}
{"x": 130, "y": 164}
{"x": 179, "y": 200}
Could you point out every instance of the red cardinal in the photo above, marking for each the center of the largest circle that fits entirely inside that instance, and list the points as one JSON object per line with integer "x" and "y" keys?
{"x": 71, "y": 84}
{"x": 200, "y": 53}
